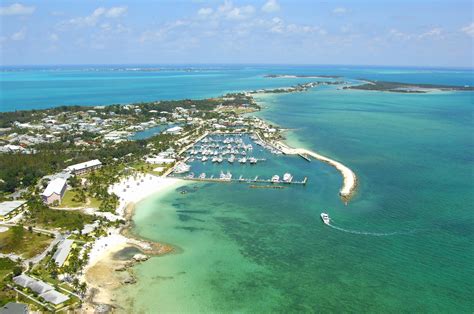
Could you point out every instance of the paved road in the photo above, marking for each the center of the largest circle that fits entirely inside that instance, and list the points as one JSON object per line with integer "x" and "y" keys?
{"x": 58, "y": 237}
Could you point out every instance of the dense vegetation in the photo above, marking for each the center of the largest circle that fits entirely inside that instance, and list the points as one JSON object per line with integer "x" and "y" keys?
{"x": 404, "y": 87}
{"x": 42, "y": 215}
{"x": 23, "y": 170}
{"x": 8, "y": 268}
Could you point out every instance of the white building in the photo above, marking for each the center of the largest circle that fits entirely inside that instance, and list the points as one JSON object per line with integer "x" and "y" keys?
{"x": 174, "y": 130}
{"x": 160, "y": 160}
{"x": 54, "y": 191}
{"x": 41, "y": 288}
{"x": 84, "y": 167}
{"x": 10, "y": 208}
{"x": 61, "y": 254}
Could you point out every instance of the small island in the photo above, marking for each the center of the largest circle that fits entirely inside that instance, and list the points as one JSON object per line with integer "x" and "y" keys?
{"x": 397, "y": 87}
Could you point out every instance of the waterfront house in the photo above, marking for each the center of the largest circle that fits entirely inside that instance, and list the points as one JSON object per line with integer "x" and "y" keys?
{"x": 84, "y": 167}
{"x": 9, "y": 209}
{"x": 54, "y": 191}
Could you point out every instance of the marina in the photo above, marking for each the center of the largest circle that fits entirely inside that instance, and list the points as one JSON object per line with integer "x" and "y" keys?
{"x": 231, "y": 150}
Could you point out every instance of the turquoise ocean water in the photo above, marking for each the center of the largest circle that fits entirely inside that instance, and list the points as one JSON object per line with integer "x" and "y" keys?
{"x": 406, "y": 238}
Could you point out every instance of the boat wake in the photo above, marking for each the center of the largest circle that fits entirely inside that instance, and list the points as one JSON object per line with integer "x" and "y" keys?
{"x": 375, "y": 234}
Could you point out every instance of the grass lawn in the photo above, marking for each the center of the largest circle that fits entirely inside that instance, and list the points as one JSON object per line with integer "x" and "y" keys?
{"x": 94, "y": 203}
{"x": 143, "y": 166}
{"x": 23, "y": 242}
{"x": 67, "y": 200}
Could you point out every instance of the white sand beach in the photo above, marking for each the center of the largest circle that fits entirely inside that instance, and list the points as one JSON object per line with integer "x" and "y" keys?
{"x": 349, "y": 177}
{"x": 130, "y": 191}
{"x": 135, "y": 188}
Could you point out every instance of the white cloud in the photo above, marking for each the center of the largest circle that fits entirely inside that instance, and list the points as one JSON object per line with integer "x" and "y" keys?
{"x": 340, "y": 11}
{"x": 205, "y": 11}
{"x": 278, "y": 26}
{"x": 116, "y": 12}
{"x": 271, "y": 6}
{"x": 17, "y": 9}
{"x": 20, "y": 35}
{"x": 161, "y": 33}
{"x": 96, "y": 15}
{"x": 434, "y": 33}
{"x": 468, "y": 29}
{"x": 231, "y": 12}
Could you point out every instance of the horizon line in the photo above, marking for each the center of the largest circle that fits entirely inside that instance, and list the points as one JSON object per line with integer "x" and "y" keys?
{"x": 236, "y": 64}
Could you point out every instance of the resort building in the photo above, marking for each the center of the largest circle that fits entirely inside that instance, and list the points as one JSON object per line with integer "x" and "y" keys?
{"x": 174, "y": 130}
{"x": 54, "y": 191}
{"x": 84, "y": 167}
{"x": 61, "y": 254}
{"x": 41, "y": 288}
{"x": 159, "y": 160}
{"x": 9, "y": 209}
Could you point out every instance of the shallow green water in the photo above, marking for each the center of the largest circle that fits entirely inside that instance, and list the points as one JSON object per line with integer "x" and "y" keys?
{"x": 262, "y": 250}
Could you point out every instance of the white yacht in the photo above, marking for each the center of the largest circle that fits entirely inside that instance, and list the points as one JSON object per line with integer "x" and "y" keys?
{"x": 276, "y": 178}
{"x": 204, "y": 159}
{"x": 231, "y": 159}
{"x": 181, "y": 168}
{"x": 243, "y": 160}
{"x": 202, "y": 176}
{"x": 287, "y": 177}
{"x": 325, "y": 218}
{"x": 225, "y": 176}
{"x": 253, "y": 160}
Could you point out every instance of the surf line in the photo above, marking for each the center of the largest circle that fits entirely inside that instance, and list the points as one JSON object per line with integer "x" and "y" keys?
{"x": 375, "y": 234}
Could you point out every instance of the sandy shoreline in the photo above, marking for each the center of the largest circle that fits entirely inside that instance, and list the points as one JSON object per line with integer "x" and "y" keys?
{"x": 349, "y": 178}
{"x": 101, "y": 273}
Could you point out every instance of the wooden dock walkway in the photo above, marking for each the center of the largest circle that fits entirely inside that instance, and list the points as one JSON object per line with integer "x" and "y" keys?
{"x": 246, "y": 180}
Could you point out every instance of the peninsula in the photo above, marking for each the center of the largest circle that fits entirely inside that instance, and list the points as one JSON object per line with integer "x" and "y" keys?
{"x": 397, "y": 87}
{"x": 301, "y": 76}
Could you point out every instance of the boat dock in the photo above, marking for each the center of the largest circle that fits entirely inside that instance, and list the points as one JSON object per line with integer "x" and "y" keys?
{"x": 246, "y": 180}
{"x": 304, "y": 157}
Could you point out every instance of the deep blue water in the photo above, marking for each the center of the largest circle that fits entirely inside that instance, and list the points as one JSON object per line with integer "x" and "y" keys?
{"x": 42, "y": 87}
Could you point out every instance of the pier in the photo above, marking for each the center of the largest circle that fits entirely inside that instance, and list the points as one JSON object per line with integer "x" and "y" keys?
{"x": 304, "y": 157}
{"x": 246, "y": 180}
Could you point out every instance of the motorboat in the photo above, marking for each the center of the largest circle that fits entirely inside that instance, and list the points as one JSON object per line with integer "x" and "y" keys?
{"x": 325, "y": 218}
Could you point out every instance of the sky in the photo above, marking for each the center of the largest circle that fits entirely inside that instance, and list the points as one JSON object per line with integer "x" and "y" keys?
{"x": 410, "y": 33}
